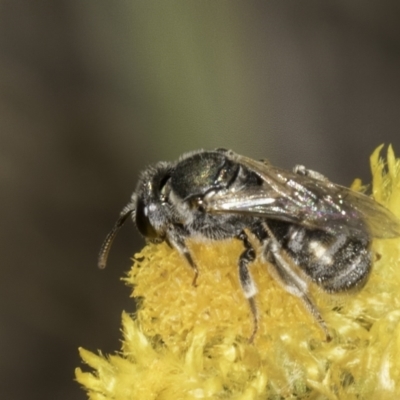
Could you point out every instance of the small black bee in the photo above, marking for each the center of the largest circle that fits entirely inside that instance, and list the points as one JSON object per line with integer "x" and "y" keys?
{"x": 309, "y": 228}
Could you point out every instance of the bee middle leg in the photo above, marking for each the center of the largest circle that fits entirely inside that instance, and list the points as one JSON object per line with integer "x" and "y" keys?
{"x": 246, "y": 281}
{"x": 281, "y": 270}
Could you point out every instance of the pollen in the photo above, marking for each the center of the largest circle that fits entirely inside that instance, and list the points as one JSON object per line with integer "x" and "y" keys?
{"x": 187, "y": 342}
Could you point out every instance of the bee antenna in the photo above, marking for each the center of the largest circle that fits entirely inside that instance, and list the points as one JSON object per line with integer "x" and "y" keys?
{"x": 105, "y": 247}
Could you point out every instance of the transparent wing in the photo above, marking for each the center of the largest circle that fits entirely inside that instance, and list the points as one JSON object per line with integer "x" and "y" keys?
{"x": 310, "y": 202}
{"x": 381, "y": 222}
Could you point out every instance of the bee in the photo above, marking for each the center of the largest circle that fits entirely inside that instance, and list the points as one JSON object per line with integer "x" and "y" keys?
{"x": 309, "y": 229}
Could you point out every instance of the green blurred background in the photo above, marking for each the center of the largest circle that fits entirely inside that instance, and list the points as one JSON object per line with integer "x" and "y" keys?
{"x": 93, "y": 91}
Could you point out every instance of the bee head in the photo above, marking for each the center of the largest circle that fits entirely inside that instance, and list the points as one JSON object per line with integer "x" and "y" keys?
{"x": 148, "y": 208}
{"x": 152, "y": 211}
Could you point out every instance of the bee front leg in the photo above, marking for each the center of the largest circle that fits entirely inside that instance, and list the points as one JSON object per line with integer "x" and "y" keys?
{"x": 280, "y": 269}
{"x": 246, "y": 281}
{"x": 176, "y": 236}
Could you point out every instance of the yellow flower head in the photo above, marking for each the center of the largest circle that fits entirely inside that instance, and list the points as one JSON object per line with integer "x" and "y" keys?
{"x": 187, "y": 342}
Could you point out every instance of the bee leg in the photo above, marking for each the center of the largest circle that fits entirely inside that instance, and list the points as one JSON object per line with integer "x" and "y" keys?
{"x": 246, "y": 281}
{"x": 302, "y": 170}
{"x": 281, "y": 270}
{"x": 176, "y": 238}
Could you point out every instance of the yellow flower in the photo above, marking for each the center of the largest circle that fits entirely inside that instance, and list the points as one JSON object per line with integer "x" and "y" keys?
{"x": 189, "y": 342}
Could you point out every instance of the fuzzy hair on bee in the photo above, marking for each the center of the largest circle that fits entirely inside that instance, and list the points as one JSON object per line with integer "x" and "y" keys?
{"x": 309, "y": 229}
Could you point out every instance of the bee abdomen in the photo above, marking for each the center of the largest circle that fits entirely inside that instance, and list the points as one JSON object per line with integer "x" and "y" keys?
{"x": 351, "y": 267}
{"x": 336, "y": 264}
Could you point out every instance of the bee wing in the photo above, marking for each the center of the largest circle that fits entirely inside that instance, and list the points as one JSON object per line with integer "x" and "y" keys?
{"x": 381, "y": 222}
{"x": 310, "y": 202}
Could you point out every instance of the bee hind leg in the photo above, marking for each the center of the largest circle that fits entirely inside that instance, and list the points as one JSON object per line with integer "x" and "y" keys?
{"x": 280, "y": 269}
{"x": 303, "y": 171}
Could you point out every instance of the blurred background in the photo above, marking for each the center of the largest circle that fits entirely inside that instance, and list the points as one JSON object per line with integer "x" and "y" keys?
{"x": 91, "y": 92}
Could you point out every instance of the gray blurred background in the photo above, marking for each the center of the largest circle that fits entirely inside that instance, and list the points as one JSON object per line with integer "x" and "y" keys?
{"x": 93, "y": 91}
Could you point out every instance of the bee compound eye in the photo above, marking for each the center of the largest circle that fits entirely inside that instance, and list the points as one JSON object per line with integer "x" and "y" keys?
{"x": 143, "y": 222}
